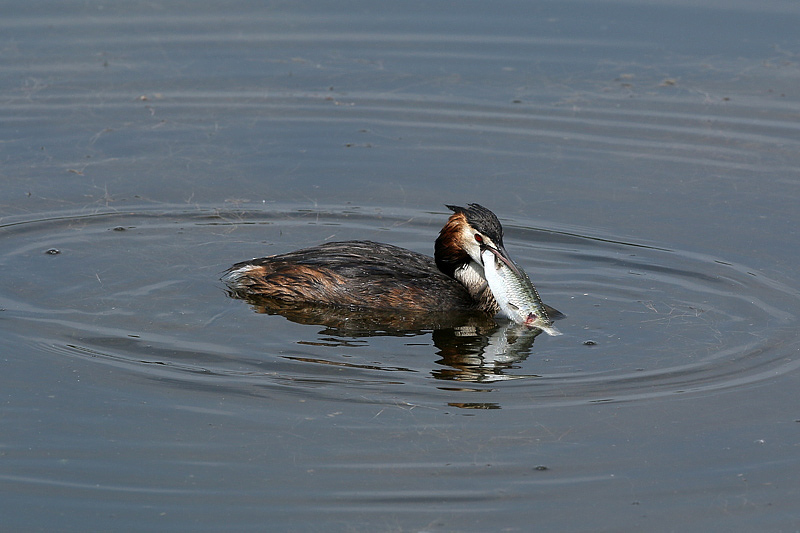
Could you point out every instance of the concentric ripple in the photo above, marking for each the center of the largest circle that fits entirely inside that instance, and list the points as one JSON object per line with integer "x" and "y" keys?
{"x": 139, "y": 290}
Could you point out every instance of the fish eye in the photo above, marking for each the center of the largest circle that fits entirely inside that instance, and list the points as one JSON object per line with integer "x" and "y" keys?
{"x": 478, "y": 238}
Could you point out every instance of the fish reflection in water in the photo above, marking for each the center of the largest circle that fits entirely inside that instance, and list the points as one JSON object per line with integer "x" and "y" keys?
{"x": 484, "y": 357}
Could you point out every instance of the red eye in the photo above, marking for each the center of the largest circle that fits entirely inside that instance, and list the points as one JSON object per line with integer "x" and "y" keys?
{"x": 478, "y": 237}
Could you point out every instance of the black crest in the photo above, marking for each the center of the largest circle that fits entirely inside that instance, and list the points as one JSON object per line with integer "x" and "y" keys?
{"x": 482, "y": 220}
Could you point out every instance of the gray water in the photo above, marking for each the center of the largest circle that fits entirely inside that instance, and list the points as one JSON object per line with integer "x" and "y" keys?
{"x": 642, "y": 156}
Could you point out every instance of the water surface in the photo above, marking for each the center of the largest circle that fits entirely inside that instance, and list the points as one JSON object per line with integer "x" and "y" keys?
{"x": 641, "y": 156}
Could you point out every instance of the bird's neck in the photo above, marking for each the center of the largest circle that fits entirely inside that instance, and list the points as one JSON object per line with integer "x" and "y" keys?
{"x": 472, "y": 277}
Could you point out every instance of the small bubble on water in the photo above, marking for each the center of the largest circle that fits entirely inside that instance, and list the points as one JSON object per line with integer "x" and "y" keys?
{"x": 589, "y": 343}
{"x": 52, "y": 251}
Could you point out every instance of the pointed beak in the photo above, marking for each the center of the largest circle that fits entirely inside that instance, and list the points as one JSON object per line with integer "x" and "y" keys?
{"x": 501, "y": 254}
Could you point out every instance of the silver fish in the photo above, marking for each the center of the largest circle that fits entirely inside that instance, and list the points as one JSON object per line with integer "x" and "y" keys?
{"x": 515, "y": 294}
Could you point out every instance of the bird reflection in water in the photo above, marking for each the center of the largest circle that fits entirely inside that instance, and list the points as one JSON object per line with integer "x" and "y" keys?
{"x": 471, "y": 345}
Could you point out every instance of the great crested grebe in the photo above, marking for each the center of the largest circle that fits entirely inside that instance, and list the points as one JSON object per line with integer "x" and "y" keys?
{"x": 370, "y": 275}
